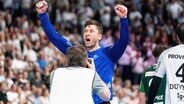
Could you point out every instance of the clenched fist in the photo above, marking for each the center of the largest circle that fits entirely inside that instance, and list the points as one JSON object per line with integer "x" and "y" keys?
{"x": 41, "y": 6}
{"x": 121, "y": 11}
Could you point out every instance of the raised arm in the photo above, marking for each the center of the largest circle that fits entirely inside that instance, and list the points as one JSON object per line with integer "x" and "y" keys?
{"x": 58, "y": 40}
{"x": 116, "y": 51}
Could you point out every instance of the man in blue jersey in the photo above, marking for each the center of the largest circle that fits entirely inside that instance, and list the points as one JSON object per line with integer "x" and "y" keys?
{"x": 104, "y": 58}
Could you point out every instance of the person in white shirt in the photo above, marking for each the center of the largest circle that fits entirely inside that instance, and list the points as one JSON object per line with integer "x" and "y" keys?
{"x": 171, "y": 63}
{"x": 75, "y": 83}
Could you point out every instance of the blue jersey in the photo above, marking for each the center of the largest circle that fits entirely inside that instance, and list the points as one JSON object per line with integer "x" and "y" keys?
{"x": 104, "y": 58}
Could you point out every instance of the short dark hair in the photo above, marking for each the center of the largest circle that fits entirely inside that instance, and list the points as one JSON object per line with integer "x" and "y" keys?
{"x": 158, "y": 50}
{"x": 76, "y": 56}
{"x": 180, "y": 32}
{"x": 96, "y": 23}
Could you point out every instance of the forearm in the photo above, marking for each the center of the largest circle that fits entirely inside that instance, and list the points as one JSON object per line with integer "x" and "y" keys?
{"x": 142, "y": 94}
{"x": 106, "y": 94}
{"x": 101, "y": 89}
{"x": 124, "y": 33}
{"x": 142, "y": 97}
{"x": 153, "y": 89}
{"x": 60, "y": 42}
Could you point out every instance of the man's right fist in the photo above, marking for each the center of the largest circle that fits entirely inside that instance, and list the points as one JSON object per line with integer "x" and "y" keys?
{"x": 41, "y": 6}
{"x": 121, "y": 10}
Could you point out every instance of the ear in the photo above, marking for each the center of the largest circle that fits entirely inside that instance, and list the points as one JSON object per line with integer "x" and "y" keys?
{"x": 99, "y": 36}
{"x": 177, "y": 39}
{"x": 86, "y": 63}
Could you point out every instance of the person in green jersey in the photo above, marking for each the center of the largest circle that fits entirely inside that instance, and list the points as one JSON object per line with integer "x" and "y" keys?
{"x": 147, "y": 78}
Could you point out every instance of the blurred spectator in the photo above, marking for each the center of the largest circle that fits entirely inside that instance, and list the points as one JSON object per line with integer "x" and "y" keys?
{"x": 41, "y": 60}
{"x": 105, "y": 17}
{"x": 37, "y": 81}
{"x": 10, "y": 77}
{"x": 138, "y": 67}
{"x": 3, "y": 95}
{"x": 174, "y": 8}
{"x": 85, "y": 12}
{"x": 29, "y": 52}
{"x": 45, "y": 97}
{"x": 107, "y": 38}
{"x": 12, "y": 94}
{"x": 135, "y": 17}
{"x": 125, "y": 63}
{"x": 35, "y": 97}
{"x": 2, "y": 72}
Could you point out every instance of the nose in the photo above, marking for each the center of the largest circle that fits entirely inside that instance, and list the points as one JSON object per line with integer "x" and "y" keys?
{"x": 87, "y": 33}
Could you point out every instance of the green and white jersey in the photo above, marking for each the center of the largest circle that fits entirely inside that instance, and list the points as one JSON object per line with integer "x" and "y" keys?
{"x": 146, "y": 79}
{"x": 171, "y": 63}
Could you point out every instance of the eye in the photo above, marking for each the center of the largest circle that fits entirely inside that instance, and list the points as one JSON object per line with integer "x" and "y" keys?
{"x": 91, "y": 31}
{"x": 85, "y": 31}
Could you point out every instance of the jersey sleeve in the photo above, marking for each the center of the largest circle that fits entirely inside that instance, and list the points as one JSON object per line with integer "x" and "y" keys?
{"x": 98, "y": 84}
{"x": 160, "y": 69}
{"x": 115, "y": 51}
{"x": 141, "y": 87}
{"x": 57, "y": 39}
{"x": 51, "y": 77}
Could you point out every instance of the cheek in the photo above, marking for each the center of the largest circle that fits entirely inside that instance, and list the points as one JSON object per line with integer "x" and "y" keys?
{"x": 97, "y": 38}
{"x": 94, "y": 38}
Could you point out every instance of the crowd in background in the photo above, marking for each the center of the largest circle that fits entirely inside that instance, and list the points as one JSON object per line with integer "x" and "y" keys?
{"x": 27, "y": 57}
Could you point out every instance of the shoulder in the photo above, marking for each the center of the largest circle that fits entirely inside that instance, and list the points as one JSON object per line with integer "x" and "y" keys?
{"x": 83, "y": 69}
{"x": 152, "y": 68}
{"x": 169, "y": 51}
{"x": 57, "y": 70}
{"x": 88, "y": 70}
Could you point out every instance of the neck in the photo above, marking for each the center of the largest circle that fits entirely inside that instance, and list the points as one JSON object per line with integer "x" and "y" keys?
{"x": 91, "y": 49}
{"x": 181, "y": 42}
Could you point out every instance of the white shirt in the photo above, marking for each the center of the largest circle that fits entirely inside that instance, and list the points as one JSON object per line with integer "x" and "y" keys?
{"x": 73, "y": 85}
{"x": 171, "y": 62}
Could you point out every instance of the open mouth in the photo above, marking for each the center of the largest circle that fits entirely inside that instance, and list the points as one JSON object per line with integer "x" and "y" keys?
{"x": 87, "y": 40}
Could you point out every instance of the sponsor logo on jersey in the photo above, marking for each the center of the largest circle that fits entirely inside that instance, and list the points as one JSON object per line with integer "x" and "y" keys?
{"x": 150, "y": 74}
{"x": 95, "y": 57}
{"x": 160, "y": 97}
{"x": 158, "y": 65}
{"x": 180, "y": 96}
{"x": 175, "y": 56}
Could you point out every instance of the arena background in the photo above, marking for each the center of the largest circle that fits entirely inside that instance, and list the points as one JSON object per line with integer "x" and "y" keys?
{"x": 27, "y": 57}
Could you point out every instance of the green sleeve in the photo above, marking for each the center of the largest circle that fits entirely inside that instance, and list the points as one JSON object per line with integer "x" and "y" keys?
{"x": 141, "y": 87}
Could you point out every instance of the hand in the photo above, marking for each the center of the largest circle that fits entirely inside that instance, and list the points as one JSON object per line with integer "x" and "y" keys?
{"x": 90, "y": 64}
{"x": 41, "y": 6}
{"x": 121, "y": 11}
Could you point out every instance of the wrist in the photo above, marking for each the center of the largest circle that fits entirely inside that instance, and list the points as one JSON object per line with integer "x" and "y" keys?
{"x": 124, "y": 17}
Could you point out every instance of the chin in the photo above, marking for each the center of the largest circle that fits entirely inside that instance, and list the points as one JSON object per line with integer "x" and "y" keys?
{"x": 88, "y": 45}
